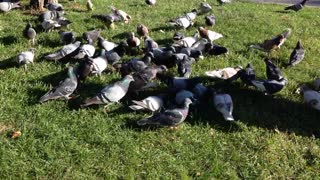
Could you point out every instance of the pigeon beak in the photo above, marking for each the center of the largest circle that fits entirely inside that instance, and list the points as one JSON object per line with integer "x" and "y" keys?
{"x": 228, "y": 117}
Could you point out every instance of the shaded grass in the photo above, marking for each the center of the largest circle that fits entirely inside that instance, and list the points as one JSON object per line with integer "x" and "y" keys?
{"x": 275, "y": 137}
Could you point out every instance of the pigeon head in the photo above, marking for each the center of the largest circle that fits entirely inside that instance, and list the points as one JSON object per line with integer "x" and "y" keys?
{"x": 128, "y": 78}
{"x": 187, "y": 102}
{"x": 299, "y": 46}
{"x": 178, "y": 36}
{"x": 195, "y": 11}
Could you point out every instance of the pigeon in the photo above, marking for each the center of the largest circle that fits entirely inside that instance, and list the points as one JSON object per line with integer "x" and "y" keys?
{"x": 223, "y": 103}
{"x": 182, "y": 95}
{"x": 142, "y": 79}
{"x": 224, "y": 1}
{"x": 111, "y": 93}
{"x": 50, "y": 15}
{"x": 247, "y": 75}
{"x": 163, "y": 56}
{"x": 178, "y": 36}
{"x": 151, "y": 2}
{"x": 114, "y": 55}
{"x": 30, "y": 33}
{"x": 92, "y": 36}
{"x": 49, "y": 25}
{"x": 107, "y": 45}
{"x": 205, "y": 8}
{"x": 170, "y": 117}
{"x": 66, "y": 50}
{"x": 184, "y": 21}
{"x": 7, "y": 6}
{"x": 142, "y": 30}
{"x": 26, "y": 57}
{"x": 200, "y": 91}
{"x": 210, "y": 20}
{"x": 296, "y": 7}
{"x": 185, "y": 67}
{"x": 297, "y": 55}
{"x": 192, "y": 52}
{"x": 89, "y": 5}
{"x": 214, "y": 49}
{"x": 64, "y": 22}
{"x": 177, "y": 83}
{"x": 151, "y": 103}
{"x": 149, "y": 44}
{"x": 274, "y": 43}
{"x": 200, "y": 45}
{"x": 84, "y": 68}
{"x": 273, "y": 72}
{"x": 225, "y": 73}
{"x": 124, "y": 16}
{"x": 317, "y": 84}
{"x": 67, "y": 37}
{"x": 85, "y": 50}
{"x": 54, "y": 7}
{"x": 208, "y": 34}
{"x": 310, "y": 97}
{"x": 270, "y": 86}
{"x": 64, "y": 89}
{"x": 187, "y": 41}
{"x": 99, "y": 63}
{"x": 108, "y": 18}
{"x": 133, "y": 41}
{"x": 134, "y": 65}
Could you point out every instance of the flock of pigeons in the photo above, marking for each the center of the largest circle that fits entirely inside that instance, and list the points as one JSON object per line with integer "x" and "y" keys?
{"x": 171, "y": 107}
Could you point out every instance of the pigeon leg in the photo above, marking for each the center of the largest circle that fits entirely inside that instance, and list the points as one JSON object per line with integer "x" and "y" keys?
{"x": 174, "y": 128}
{"x": 25, "y": 67}
{"x": 32, "y": 41}
{"x": 105, "y": 108}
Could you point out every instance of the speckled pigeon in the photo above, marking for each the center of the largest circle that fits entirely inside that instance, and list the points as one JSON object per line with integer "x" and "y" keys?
{"x": 184, "y": 21}
{"x": 66, "y": 50}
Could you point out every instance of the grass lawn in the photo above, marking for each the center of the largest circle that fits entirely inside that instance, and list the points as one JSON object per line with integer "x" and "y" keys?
{"x": 274, "y": 137}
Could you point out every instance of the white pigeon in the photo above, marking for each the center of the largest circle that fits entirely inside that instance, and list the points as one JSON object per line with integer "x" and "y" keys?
{"x": 89, "y": 5}
{"x": 310, "y": 97}
{"x": 184, "y": 21}
{"x": 64, "y": 51}
{"x": 208, "y": 34}
{"x": 152, "y": 103}
{"x": 317, "y": 84}
{"x": 7, "y": 6}
{"x": 224, "y": 73}
{"x": 26, "y": 57}
{"x": 223, "y": 103}
{"x": 85, "y": 50}
{"x": 187, "y": 41}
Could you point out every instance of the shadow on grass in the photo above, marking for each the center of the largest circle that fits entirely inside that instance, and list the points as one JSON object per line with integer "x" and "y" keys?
{"x": 165, "y": 28}
{"x": 8, "y": 40}
{"x": 282, "y": 12}
{"x": 8, "y": 63}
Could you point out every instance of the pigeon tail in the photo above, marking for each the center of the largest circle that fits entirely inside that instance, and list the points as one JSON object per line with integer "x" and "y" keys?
{"x": 255, "y": 46}
{"x": 136, "y": 107}
{"x": 54, "y": 56}
{"x": 16, "y": 5}
{"x": 91, "y": 101}
{"x": 142, "y": 122}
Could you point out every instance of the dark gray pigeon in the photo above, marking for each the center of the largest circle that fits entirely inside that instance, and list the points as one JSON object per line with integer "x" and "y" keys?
{"x": 111, "y": 93}
{"x": 50, "y": 15}
{"x": 192, "y": 52}
{"x": 134, "y": 65}
{"x": 30, "y": 33}
{"x": 54, "y": 7}
{"x": 92, "y": 36}
{"x": 66, "y": 50}
{"x": 297, "y": 55}
{"x": 64, "y": 89}
{"x": 177, "y": 83}
{"x": 116, "y": 53}
{"x": 296, "y": 7}
{"x": 272, "y": 71}
{"x": 214, "y": 49}
{"x": 185, "y": 67}
{"x": 210, "y": 20}
{"x": 170, "y": 117}
{"x": 205, "y": 8}
{"x": 247, "y": 75}
{"x": 67, "y": 37}
{"x": 270, "y": 86}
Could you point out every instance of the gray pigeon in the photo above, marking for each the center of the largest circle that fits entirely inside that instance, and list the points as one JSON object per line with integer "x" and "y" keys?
{"x": 273, "y": 72}
{"x": 30, "y": 33}
{"x": 49, "y": 25}
{"x": 270, "y": 86}
{"x": 182, "y": 95}
{"x": 92, "y": 36}
{"x": 192, "y": 52}
{"x": 64, "y": 89}
{"x": 111, "y": 93}
{"x": 66, "y": 50}
{"x": 170, "y": 117}
{"x": 134, "y": 65}
{"x": 67, "y": 37}
{"x": 151, "y": 103}
{"x": 7, "y": 6}
{"x": 184, "y": 21}
{"x": 100, "y": 64}
{"x": 149, "y": 44}
{"x": 26, "y": 57}
{"x": 50, "y": 15}
{"x": 297, "y": 55}
{"x": 185, "y": 67}
{"x": 107, "y": 45}
{"x": 310, "y": 97}
{"x": 205, "y": 8}
{"x": 113, "y": 56}
{"x": 223, "y": 103}
{"x": 200, "y": 91}
{"x": 247, "y": 75}
{"x": 64, "y": 22}
{"x": 85, "y": 50}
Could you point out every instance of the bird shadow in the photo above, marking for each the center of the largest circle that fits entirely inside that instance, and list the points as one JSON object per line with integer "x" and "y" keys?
{"x": 8, "y": 40}
{"x": 164, "y": 42}
{"x": 164, "y": 28}
{"x": 8, "y": 63}
{"x": 282, "y": 12}
{"x": 34, "y": 94}
{"x": 49, "y": 43}
{"x": 123, "y": 35}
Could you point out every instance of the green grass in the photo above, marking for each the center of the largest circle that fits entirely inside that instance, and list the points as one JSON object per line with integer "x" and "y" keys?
{"x": 272, "y": 138}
